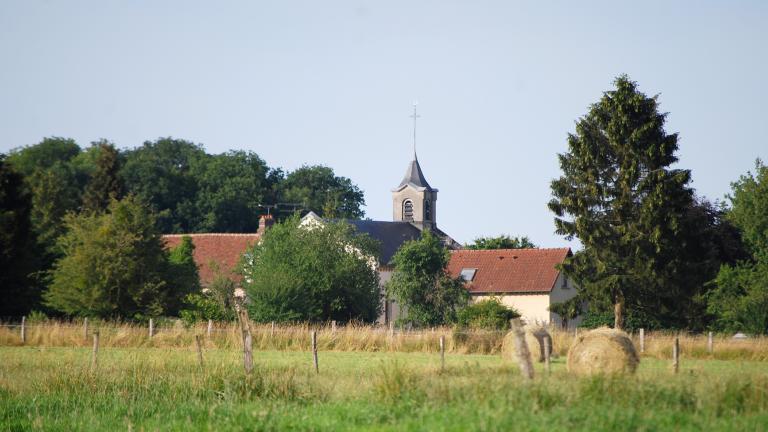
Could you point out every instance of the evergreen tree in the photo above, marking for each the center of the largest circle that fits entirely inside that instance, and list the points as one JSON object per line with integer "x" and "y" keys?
{"x": 105, "y": 185}
{"x": 620, "y": 198}
{"x": 421, "y": 284}
{"x": 17, "y": 291}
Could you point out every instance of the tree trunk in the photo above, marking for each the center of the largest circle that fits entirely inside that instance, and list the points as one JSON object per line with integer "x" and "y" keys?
{"x": 618, "y": 314}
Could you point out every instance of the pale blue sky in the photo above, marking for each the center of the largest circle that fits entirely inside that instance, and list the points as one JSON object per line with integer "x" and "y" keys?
{"x": 499, "y": 86}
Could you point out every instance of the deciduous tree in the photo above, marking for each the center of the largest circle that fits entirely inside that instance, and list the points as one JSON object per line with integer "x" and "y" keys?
{"x": 314, "y": 273}
{"x": 113, "y": 264}
{"x": 501, "y": 242}
{"x": 318, "y": 189}
{"x": 422, "y": 285}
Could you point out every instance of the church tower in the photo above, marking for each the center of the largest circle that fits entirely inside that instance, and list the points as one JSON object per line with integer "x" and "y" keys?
{"x": 414, "y": 200}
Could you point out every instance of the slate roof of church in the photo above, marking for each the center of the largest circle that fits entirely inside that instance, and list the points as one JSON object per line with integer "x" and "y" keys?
{"x": 391, "y": 235}
{"x": 221, "y": 248}
{"x": 414, "y": 177}
{"x": 509, "y": 270}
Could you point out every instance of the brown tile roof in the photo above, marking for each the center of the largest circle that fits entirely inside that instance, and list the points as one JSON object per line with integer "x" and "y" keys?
{"x": 223, "y": 249}
{"x": 509, "y": 270}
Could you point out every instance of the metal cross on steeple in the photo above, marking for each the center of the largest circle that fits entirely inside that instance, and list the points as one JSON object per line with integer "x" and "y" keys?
{"x": 414, "y": 116}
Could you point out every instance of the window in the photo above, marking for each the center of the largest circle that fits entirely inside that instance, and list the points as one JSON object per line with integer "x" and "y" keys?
{"x": 565, "y": 283}
{"x": 468, "y": 274}
{"x": 408, "y": 210}
{"x": 427, "y": 210}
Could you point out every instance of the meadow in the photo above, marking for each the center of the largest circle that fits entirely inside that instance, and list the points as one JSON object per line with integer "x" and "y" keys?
{"x": 49, "y": 384}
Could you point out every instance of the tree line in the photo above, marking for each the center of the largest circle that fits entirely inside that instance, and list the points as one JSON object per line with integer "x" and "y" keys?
{"x": 54, "y": 194}
{"x": 81, "y": 234}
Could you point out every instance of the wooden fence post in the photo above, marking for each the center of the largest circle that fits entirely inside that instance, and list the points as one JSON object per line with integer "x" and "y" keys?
{"x": 547, "y": 353}
{"x": 676, "y": 355}
{"x": 272, "y": 332}
{"x": 333, "y": 326}
{"x": 85, "y": 329}
{"x": 24, "y": 329}
{"x": 199, "y": 351}
{"x": 210, "y": 328}
{"x": 642, "y": 341}
{"x": 710, "y": 343}
{"x": 314, "y": 351}
{"x": 391, "y": 329}
{"x": 521, "y": 349}
{"x": 442, "y": 352}
{"x": 151, "y": 328}
{"x": 247, "y": 350}
{"x": 95, "y": 353}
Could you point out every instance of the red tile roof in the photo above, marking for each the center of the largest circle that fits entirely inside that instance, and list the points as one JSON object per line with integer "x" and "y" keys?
{"x": 223, "y": 249}
{"x": 509, "y": 270}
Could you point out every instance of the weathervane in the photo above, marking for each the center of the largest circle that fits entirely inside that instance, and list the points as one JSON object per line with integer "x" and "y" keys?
{"x": 414, "y": 116}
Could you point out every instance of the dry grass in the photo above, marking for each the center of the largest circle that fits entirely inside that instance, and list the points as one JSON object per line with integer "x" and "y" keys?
{"x": 354, "y": 338}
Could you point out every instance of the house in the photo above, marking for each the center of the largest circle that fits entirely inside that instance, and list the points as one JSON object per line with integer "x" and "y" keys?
{"x": 525, "y": 279}
{"x": 219, "y": 252}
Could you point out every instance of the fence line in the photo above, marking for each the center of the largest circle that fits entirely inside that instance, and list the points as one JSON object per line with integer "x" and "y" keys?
{"x": 352, "y": 337}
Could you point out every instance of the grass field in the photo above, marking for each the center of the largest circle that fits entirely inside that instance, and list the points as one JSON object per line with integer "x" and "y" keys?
{"x": 53, "y": 388}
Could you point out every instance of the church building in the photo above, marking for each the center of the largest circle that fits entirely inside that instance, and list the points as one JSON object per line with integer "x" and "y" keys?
{"x": 414, "y": 209}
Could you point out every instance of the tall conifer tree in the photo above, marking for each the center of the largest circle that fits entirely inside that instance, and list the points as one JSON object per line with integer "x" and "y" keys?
{"x": 620, "y": 198}
{"x": 105, "y": 184}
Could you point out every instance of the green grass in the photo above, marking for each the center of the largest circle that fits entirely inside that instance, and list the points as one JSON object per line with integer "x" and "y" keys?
{"x": 164, "y": 389}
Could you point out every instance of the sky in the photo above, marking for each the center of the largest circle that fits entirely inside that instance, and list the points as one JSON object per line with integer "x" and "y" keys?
{"x": 499, "y": 85}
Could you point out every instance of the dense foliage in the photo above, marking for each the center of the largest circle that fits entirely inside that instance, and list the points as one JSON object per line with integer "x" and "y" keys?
{"x": 487, "y": 315}
{"x": 620, "y": 197}
{"x": 421, "y": 284}
{"x": 105, "y": 184}
{"x": 317, "y": 188}
{"x": 501, "y": 242}
{"x": 315, "y": 273}
{"x": 16, "y": 244}
{"x": 740, "y": 300}
{"x": 186, "y": 188}
{"x": 113, "y": 265}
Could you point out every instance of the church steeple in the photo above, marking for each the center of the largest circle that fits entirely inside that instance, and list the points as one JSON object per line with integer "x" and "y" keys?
{"x": 414, "y": 176}
{"x": 414, "y": 200}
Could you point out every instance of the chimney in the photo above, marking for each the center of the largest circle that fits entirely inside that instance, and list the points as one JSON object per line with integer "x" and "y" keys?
{"x": 265, "y": 221}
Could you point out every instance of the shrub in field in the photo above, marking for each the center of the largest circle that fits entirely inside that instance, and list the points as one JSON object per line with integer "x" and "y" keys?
{"x": 216, "y": 302}
{"x": 603, "y": 351}
{"x": 486, "y": 315}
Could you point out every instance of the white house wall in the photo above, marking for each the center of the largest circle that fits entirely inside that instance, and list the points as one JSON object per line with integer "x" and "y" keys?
{"x": 562, "y": 292}
{"x": 532, "y": 307}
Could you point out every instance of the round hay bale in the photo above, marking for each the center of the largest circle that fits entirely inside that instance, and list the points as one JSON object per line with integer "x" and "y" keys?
{"x": 602, "y": 351}
{"x": 534, "y": 337}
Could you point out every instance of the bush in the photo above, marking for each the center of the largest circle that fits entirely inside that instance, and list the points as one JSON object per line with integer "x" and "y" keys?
{"x": 215, "y": 302}
{"x": 487, "y": 315}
